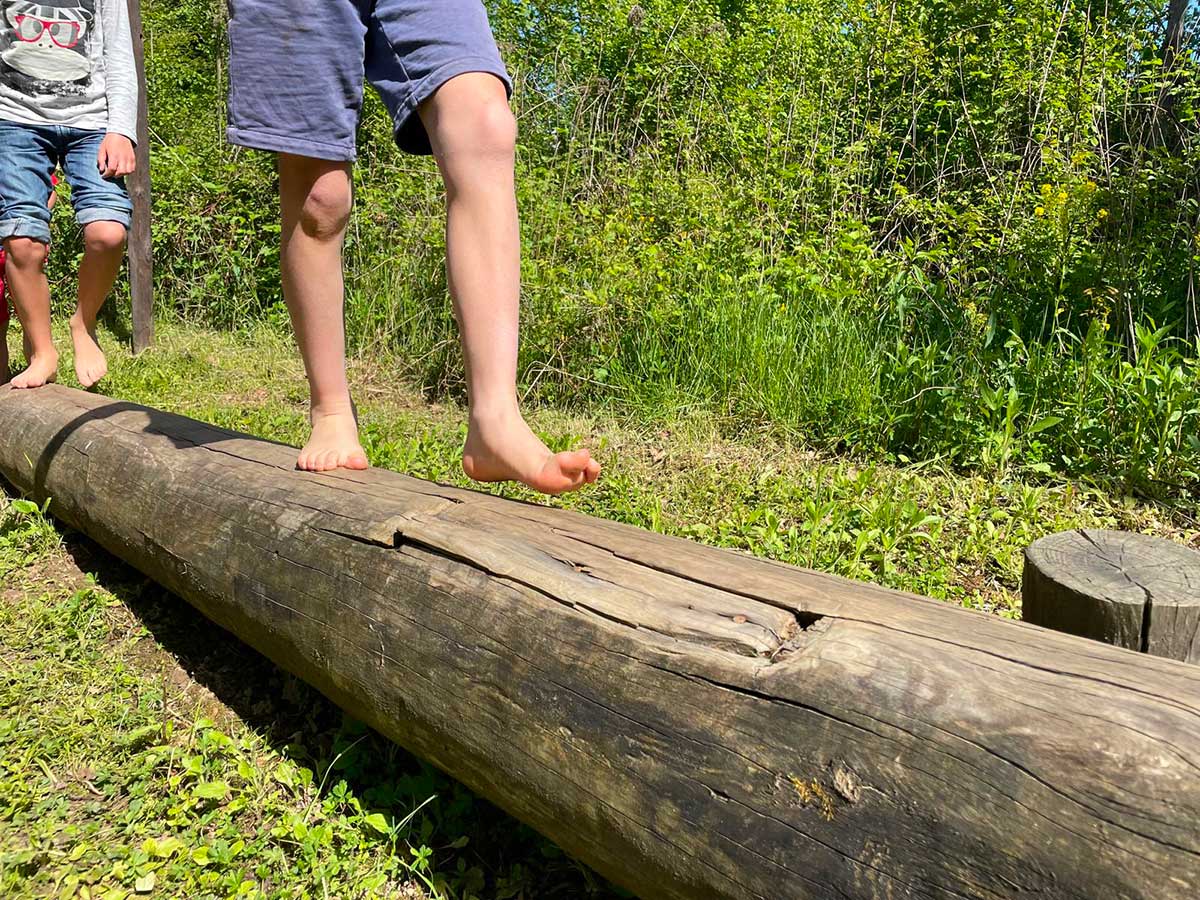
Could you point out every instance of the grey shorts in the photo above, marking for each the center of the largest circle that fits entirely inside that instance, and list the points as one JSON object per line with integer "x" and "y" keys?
{"x": 296, "y": 68}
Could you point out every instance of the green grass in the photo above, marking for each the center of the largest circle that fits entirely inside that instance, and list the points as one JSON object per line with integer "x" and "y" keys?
{"x": 170, "y": 756}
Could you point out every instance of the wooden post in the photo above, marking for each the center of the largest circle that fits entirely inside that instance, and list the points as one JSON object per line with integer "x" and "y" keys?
{"x": 694, "y": 723}
{"x": 141, "y": 267}
{"x": 1132, "y": 590}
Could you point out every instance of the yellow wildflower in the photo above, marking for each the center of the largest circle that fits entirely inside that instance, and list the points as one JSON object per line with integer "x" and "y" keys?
{"x": 1102, "y": 215}
{"x": 1039, "y": 211}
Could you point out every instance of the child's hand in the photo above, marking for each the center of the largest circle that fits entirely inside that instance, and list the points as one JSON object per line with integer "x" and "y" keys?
{"x": 116, "y": 157}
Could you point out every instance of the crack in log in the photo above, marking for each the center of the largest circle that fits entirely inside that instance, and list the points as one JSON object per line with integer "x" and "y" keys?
{"x": 804, "y": 618}
{"x": 1119, "y": 566}
{"x": 1147, "y": 609}
{"x": 713, "y": 642}
{"x": 406, "y": 540}
{"x": 784, "y": 635}
{"x": 392, "y": 544}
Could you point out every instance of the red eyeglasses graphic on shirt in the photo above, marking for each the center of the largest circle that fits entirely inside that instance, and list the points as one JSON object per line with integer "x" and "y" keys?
{"x": 64, "y": 34}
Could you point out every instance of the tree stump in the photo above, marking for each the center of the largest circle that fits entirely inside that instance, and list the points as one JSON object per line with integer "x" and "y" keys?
{"x": 1131, "y": 590}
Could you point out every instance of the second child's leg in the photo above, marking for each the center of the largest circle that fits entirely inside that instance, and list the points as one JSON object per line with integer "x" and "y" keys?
{"x": 94, "y": 166}
{"x": 104, "y": 250}
{"x": 30, "y": 291}
{"x": 315, "y": 201}
{"x": 28, "y": 153}
{"x": 473, "y": 135}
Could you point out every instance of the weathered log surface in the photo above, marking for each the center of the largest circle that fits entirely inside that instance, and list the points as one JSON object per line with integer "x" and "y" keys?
{"x": 1129, "y": 590}
{"x": 691, "y": 722}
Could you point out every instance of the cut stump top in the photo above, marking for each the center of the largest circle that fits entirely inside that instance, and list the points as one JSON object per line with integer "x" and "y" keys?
{"x": 1127, "y": 589}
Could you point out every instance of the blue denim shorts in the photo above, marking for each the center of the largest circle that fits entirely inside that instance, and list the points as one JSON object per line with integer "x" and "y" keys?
{"x": 296, "y": 68}
{"x": 31, "y": 153}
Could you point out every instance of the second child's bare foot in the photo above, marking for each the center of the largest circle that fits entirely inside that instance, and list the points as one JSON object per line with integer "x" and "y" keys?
{"x": 43, "y": 369}
{"x": 90, "y": 364}
{"x": 503, "y": 448}
{"x": 333, "y": 445}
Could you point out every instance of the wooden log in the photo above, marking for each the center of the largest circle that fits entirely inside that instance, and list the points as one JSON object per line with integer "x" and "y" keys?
{"x": 691, "y": 722}
{"x": 1130, "y": 590}
{"x": 141, "y": 257}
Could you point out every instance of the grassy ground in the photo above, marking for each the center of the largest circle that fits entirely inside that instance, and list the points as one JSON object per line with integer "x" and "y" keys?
{"x": 169, "y": 760}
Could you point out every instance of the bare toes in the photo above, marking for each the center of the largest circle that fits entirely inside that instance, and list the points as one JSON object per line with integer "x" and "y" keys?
{"x": 574, "y": 462}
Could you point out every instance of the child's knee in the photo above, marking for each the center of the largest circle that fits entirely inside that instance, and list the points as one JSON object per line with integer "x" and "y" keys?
{"x": 26, "y": 253}
{"x": 104, "y": 237}
{"x": 489, "y": 127}
{"x": 326, "y": 210}
{"x": 496, "y": 127}
{"x": 474, "y": 118}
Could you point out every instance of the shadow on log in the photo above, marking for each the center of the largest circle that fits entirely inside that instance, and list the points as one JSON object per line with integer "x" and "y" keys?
{"x": 691, "y": 722}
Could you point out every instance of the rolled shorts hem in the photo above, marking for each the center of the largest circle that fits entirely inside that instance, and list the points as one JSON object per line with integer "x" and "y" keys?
{"x": 33, "y": 229}
{"x": 99, "y": 214}
{"x": 417, "y": 141}
{"x": 275, "y": 142}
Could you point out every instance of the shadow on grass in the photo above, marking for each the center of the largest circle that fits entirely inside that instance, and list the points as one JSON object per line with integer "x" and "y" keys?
{"x": 516, "y": 862}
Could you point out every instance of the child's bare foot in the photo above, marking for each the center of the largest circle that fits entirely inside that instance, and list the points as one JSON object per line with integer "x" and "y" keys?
{"x": 503, "y": 448}
{"x": 333, "y": 445}
{"x": 43, "y": 369}
{"x": 90, "y": 364}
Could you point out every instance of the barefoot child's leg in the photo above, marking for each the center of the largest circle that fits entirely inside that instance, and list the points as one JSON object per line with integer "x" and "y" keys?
{"x": 473, "y": 134}
{"x": 315, "y": 205}
{"x": 104, "y": 210}
{"x": 438, "y": 57}
{"x": 104, "y": 249}
{"x": 30, "y": 293}
{"x": 28, "y": 152}
{"x": 307, "y": 112}
{"x": 412, "y": 51}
